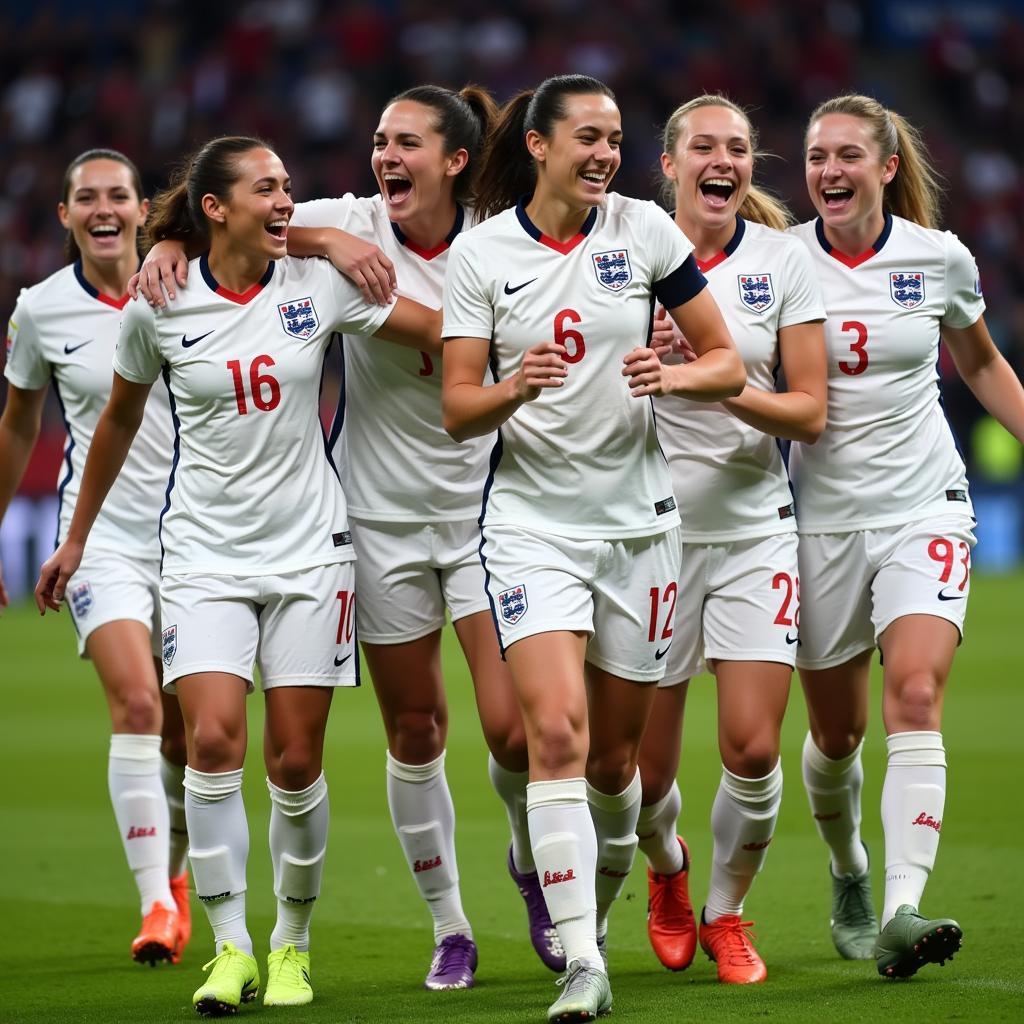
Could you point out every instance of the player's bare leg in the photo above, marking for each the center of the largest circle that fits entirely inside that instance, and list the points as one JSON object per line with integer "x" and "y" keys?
{"x": 122, "y": 654}
{"x": 410, "y": 691}
{"x": 671, "y": 927}
{"x": 173, "y": 758}
{"x": 837, "y": 709}
{"x": 917, "y": 657}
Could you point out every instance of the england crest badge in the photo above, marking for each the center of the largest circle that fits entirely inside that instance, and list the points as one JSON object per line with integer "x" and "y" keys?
{"x": 613, "y": 269}
{"x": 512, "y": 604}
{"x": 756, "y": 291}
{"x": 298, "y": 317}
{"x": 169, "y": 639}
{"x": 81, "y": 600}
{"x": 907, "y": 288}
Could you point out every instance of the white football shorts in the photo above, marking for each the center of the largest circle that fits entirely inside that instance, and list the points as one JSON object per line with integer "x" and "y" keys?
{"x": 738, "y": 601}
{"x": 855, "y": 584}
{"x": 298, "y": 627}
{"x": 109, "y": 586}
{"x": 620, "y": 592}
{"x": 407, "y": 574}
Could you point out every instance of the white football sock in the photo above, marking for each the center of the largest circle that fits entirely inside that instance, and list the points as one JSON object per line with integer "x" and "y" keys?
{"x": 424, "y": 819}
{"x": 511, "y": 787}
{"x": 140, "y": 808}
{"x": 615, "y": 817}
{"x": 219, "y": 836}
{"x": 298, "y": 845}
{"x": 656, "y": 830}
{"x": 833, "y": 791}
{"x": 565, "y": 851}
{"x": 913, "y": 797}
{"x": 173, "y": 778}
{"x": 742, "y": 822}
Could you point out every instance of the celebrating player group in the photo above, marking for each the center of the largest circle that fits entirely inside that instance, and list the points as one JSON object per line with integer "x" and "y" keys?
{"x": 559, "y": 428}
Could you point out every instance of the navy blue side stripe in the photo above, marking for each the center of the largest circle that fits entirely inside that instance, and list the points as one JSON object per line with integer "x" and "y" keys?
{"x": 69, "y": 472}
{"x": 329, "y": 438}
{"x": 166, "y": 373}
{"x": 339, "y": 413}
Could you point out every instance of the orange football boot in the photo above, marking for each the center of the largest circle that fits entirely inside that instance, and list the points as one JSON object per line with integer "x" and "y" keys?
{"x": 727, "y": 942}
{"x": 179, "y": 890}
{"x": 157, "y": 937}
{"x": 670, "y": 923}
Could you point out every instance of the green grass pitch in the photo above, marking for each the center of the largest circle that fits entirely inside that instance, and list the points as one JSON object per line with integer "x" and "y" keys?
{"x": 69, "y": 913}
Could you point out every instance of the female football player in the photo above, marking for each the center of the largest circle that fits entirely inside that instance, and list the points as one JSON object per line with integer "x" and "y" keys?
{"x": 884, "y": 513}
{"x": 580, "y": 531}
{"x": 738, "y": 596}
{"x": 64, "y": 330}
{"x": 257, "y": 549}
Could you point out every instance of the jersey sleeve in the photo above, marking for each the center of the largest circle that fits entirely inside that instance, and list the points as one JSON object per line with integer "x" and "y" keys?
{"x": 964, "y": 302}
{"x": 137, "y": 356}
{"x": 27, "y": 367}
{"x": 350, "y": 312}
{"x": 675, "y": 276}
{"x": 340, "y": 213}
{"x": 802, "y": 300}
{"x": 468, "y": 310}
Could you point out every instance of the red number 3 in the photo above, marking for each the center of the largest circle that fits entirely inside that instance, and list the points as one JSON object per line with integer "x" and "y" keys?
{"x": 857, "y": 348}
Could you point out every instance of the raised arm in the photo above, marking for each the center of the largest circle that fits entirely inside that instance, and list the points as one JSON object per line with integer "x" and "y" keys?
{"x": 363, "y": 263}
{"x": 115, "y": 430}
{"x": 19, "y": 430}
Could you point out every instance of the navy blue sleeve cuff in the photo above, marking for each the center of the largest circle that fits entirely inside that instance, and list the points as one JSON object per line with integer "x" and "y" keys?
{"x": 681, "y": 285}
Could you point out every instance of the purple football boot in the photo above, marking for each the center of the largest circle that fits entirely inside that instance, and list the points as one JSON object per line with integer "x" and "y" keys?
{"x": 543, "y": 933}
{"x": 453, "y": 964}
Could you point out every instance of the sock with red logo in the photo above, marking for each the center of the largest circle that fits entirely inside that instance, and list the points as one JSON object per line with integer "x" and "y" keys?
{"x": 298, "y": 845}
{"x": 511, "y": 787}
{"x": 833, "y": 791}
{"x": 913, "y": 797}
{"x": 656, "y": 830}
{"x": 615, "y": 817}
{"x": 173, "y": 778}
{"x": 742, "y": 822}
{"x": 424, "y": 819}
{"x": 140, "y": 807}
{"x": 565, "y": 851}
{"x": 219, "y": 848}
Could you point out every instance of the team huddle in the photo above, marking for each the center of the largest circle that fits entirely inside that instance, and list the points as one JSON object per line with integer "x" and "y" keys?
{"x": 559, "y": 427}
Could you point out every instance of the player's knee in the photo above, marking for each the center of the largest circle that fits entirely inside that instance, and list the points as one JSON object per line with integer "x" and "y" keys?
{"x": 138, "y": 711}
{"x": 216, "y": 747}
{"x": 838, "y": 741}
{"x": 655, "y": 781}
{"x": 611, "y": 771}
{"x": 557, "y": 744}
{"x": 751, "y": 758}
{"x": 418, "y": 736}
{"x": 917, "y": 700}
{"x": 296, "y": 765}
{"x": 507, "y": 744}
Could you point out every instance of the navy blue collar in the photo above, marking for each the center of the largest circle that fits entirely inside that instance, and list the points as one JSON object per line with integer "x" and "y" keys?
{"x": 240, "y": 297}
{"x": 846, "y": 259}
{"x": 552, "y": 243}
{"x": 429, "y": 254}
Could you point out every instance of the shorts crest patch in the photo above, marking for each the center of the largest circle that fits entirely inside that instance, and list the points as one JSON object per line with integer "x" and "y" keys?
{"x": 169, "y": 641}
{"x": 756, "y": 291}
{"x": 81, "y": 600}
{"x": 613, "y": 269}
{"x": 298, "y": 317}
{"x": 512, "y": 604}
{"x": 907, "y": 288}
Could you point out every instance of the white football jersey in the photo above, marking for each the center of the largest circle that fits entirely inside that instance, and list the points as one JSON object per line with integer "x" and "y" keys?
{"x": 396, "y": 461}
{"x": 253, "y": 489}
{"x": 582, "y": 460}
{"x": 63, "y": 330}
{"x": 887, "y": 455}
{"x": 730, "y": 479}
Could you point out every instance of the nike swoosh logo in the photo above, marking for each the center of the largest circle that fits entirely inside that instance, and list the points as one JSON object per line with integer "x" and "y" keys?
{"x": 792, "y": 639}
{"x": 518, "y": 287}
{"x": 338, "y": 662}
{"x": 189, "y": 342}
{"x": 943, "y": 596}
{"x": 658, "y": 655}
{"x": 68, "y": 349}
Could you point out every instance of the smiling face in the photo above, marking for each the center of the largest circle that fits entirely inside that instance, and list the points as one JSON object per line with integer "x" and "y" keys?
{"x": 711, "y": 166}
{"x": 255, "y": 214}
{"x": 414, "y": 173}
{"x": 103, "y": 211}
{"x": 846, "y": 174}
{"x": 578, "y": 161}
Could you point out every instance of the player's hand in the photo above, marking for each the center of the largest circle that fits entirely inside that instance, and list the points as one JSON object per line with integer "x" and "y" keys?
{"x": 668, "y": 342}
{"x": 54, "y": 576}
{"x": 644, "y": 373}
{"x": 365, "y": 265}
{"x": 164, "y": 266}
{"x": 542, "y": 367}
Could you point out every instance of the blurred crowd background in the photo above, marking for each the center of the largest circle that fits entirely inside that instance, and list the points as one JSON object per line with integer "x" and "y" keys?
{"x": 155, "y": 77}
